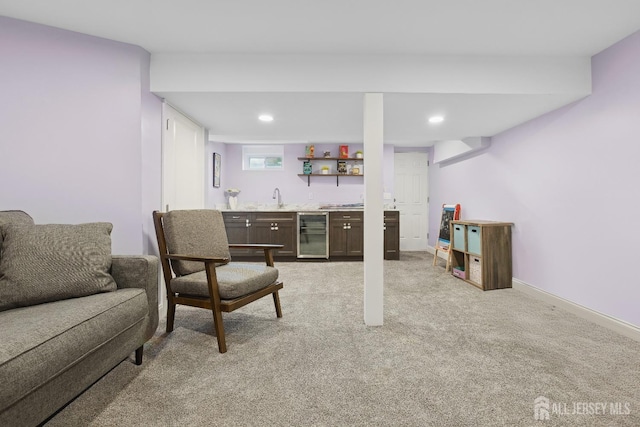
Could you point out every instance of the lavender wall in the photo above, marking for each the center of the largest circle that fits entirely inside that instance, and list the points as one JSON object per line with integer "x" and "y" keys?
{"x": 568, "y": 180}
{"x": 258, "y": 186}
{"x": 80, "y": 131}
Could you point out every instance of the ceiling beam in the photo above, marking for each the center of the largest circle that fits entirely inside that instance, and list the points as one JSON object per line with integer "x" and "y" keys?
{"x": 370, "y": 73}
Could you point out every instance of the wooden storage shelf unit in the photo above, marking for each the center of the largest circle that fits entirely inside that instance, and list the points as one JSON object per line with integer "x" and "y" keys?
{"x": 483, "y": 250}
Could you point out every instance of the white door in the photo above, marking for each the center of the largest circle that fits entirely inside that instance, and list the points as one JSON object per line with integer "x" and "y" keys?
{"x": 411, "y": 194}
{"x": 183, "y": 161}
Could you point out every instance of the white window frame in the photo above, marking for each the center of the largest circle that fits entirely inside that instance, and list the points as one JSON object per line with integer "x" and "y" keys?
{"x": 258, "y": 157}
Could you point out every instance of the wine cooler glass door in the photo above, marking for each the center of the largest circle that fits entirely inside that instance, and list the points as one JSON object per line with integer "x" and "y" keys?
{"x": 313, "y": 236}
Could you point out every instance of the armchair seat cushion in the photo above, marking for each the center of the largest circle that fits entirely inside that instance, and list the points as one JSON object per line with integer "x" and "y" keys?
{"x": 235, "y": 279}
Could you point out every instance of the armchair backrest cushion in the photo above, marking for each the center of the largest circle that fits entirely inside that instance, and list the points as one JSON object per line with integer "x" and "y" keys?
{"x": 199, "y": 232}
{"x": 51, "y": 262}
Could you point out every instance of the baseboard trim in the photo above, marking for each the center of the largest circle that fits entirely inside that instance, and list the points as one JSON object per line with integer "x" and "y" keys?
{"x": 616, "y": 325}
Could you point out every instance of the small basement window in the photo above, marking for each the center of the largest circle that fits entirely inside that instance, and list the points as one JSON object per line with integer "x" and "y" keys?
{"x": 262, "y": 157}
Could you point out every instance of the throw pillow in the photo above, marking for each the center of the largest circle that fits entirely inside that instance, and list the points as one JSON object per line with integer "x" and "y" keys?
{"x": 12, "y": 217}
{"x": 49, "y": 262}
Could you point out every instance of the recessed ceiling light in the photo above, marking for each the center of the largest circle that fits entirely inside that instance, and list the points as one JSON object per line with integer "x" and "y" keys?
{"x": 436, "y": 119}
{"x": 265, "y": 118}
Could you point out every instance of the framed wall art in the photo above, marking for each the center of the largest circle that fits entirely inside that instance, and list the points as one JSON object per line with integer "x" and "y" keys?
{"x": 217, "y": 162}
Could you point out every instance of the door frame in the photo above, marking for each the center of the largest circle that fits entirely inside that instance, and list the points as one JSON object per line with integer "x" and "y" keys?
{"x": 425, "y": 211}
{"x": 170, "y": 113}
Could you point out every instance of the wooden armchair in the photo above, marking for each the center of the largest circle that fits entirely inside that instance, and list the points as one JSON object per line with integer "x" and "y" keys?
{"x": 195, "y": 258}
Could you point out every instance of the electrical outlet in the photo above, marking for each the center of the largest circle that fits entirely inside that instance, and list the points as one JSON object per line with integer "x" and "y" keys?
{"x": 310, "y": 196}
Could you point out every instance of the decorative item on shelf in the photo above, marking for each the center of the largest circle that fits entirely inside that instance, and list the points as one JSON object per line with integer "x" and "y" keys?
{"x": 359, "y": 154}
{"x": 355, "y": 170}
{"x": 325, "y": 170}
{"x": 342, "y": 166}
{"x": 344, "y": 151}
{"x": 327, "y": 153}
{"x": 309, "y": 151}
{"x": 233, "y": 198}
{"x": 306, "y": 167}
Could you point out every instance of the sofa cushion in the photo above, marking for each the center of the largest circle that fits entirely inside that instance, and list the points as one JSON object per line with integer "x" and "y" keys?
{"x": 13, "y": 217}
{"x": 50, "y": 262}
{"x": 41, "y": 341}
{"x": 195, "y": 232}
{"x": 234, "y": 280}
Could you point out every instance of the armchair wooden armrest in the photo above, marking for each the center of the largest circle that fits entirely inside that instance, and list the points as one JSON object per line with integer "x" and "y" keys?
{"x": 268, "y": 255}
{"x": 255, "y": 245}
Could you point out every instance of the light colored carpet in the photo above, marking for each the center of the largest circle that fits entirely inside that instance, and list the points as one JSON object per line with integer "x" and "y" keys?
{"x": 447, "y": 355}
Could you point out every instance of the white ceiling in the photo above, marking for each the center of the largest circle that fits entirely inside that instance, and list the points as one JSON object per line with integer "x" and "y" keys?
{"x": 377, "y": 27}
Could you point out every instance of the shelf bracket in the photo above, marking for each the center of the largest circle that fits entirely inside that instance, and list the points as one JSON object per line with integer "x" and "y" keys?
{"x": 337, "y": 181}
{"x": 308, "y": 180}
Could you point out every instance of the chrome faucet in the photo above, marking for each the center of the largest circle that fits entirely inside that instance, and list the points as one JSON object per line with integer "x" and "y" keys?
{"x": 277, "y": 190}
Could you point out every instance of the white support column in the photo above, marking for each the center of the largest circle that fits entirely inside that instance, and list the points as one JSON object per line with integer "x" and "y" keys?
{"x": 374, "y": 210}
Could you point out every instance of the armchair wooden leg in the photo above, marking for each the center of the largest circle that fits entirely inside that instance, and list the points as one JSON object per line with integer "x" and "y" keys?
{"x": 214, "y": 295}
{"x": 276, "y": 301}
{"x": 171, "y": 315}
{"x": 219, "y": 326}
{"x": 139, "y": 352}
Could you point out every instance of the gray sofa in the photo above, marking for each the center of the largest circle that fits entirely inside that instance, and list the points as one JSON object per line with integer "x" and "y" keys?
{"x": 69, "y": 313}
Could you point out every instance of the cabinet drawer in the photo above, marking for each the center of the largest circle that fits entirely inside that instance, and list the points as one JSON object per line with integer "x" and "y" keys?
{"x": 235, "y": 216}
{"x": 274, "y": 216}
{"x": 346, "y": 216}
{"x": 391, "y": 216}
{"x": 475, "y": 269}
{"x": 473, "y": 239}
{"x": 458, "y": 237}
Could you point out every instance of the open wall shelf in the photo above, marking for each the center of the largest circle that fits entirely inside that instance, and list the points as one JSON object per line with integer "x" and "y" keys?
{"x": 354, "y": 160}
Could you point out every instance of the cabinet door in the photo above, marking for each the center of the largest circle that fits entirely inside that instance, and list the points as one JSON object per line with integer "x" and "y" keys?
{"x": 238, "y": 231}
{"x": 337, "y": 238}
{"x": 261, "y": 232}
{"x": 392, "y": 235}
{"x": 392, "y": 241}
{"x": 355, "y": 239}
{"x": 285, "y": 234}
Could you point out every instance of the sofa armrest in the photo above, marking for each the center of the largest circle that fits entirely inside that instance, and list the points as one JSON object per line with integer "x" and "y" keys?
{"x": 139, "y": 271}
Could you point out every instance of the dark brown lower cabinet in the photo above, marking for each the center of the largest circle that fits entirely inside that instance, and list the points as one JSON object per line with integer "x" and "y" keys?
{"x": 276, "y": 228}
{"x": 261, "y": 227}
{"x": 346, "y": 233}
